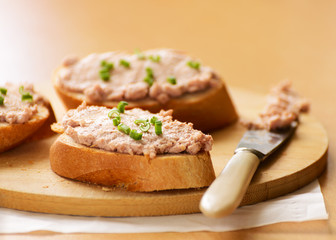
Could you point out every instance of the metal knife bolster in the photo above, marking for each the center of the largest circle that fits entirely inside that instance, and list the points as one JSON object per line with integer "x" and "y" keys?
{"x": 262, "y": 143}
{"x": 260, "y": 155}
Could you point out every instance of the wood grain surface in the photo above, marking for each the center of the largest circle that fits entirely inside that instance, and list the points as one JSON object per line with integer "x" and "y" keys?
{"x": 252, "y": 44}
{"x": 28, "y": 183}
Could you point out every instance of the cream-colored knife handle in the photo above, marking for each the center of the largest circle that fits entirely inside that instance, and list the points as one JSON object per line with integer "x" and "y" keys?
{"x": 226, "y": 192}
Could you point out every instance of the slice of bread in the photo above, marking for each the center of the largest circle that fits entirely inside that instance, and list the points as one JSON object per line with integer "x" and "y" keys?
{"x": 168, "y": 154}
{"x": 12, "y": 135}
{"x": 133, "y": 172}
{"x": 198, "y": 95}
{"x": 45, "y": 131}
{"x": 23, "y": 119}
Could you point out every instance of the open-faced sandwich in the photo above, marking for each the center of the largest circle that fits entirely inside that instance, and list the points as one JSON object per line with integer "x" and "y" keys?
{"x": 134, "y": 149}
{"x": 23, "y": 114}
{"x": 150, "y": 80}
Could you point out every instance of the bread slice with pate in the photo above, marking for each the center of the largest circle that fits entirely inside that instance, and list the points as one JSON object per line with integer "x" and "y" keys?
{"x": 151, "y": 80}
{"x": 134, "y": 149}
{"x": 24, "y": 114}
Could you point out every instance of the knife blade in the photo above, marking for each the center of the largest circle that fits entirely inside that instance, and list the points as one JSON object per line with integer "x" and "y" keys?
{"x": 227, "y": 191}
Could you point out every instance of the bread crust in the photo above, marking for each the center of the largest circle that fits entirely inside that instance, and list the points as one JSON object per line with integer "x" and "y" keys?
{"x": 45, "y": 130}
{"x": 207, "y": 110}
{"x": 133, "y": 172}
{"x": 12, "y": 135}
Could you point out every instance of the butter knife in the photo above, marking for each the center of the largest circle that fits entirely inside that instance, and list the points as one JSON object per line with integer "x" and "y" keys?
{"x": 227, "y": 191}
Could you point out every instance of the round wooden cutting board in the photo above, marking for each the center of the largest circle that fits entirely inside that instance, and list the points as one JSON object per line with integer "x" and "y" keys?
{"x": 27, "y": 182}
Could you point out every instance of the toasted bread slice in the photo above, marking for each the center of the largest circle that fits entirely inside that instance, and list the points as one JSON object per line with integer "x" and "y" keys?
{"x": 25, "y": 115}
{"x": 12, "y": 135}
{"x": 161, "y": 79}
{"x": 45, "y": 130}
{"x": 133, "y": 172}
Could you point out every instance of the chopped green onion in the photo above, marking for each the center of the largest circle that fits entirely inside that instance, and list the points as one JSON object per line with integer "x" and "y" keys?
{"x": 140, "y": 55}
{"x": 153, "y": 120}
{"x": 149, "y": 81}
{"x": 144, "y": 124}
{"x": 2, "y": 99}
{"x": 104, "y": 75}
{"x": 149, "y": 72}
{"x": 103, "y": 63}
{"x": 135, "y": 135}
{"x": 158, "y": 127}
{"x": 156, "y": 58}
{"x": 21, "y": 90}
{"x": 25, "y": 96}
{"x": 106, "y": 65}
{"x": 171, "y": 80}
{"x": 124, "y": 128}
{"x": 124, "y": 63}
{"x": 121, "y": 106}
{"x": 195, "y": 65}
{"x": 139, "y": 121}
{"x": 116, "y": 121}
{"x": 3, "y": 91}
{"x": 105, "y": 71}
{"x": 145, "y": 128}
{"x": 114, "y": 113}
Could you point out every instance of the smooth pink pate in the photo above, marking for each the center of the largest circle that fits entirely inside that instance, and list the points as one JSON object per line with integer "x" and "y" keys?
{"x": 91, "y": 126}
{"x": 284, "y": 106}
{"x": 14, "y": 110}
{"x": 127, "y": 83}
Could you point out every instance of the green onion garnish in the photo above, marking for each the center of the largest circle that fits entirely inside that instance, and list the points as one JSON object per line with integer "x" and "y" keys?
{"x": 25, "y": 96}
{"x": 107, "y": 65}
{"x": 124, "y": 128}
{"x": 140, "y": 55}
{"x": 158, "y": 127}
{"x": 156, "y": 58}
{"x": 116, "y": 121}
{"x": 153, "y": 120}
{"x": 149, "y": 72}
{"x": 2, "y": 99}
{"x": 104, "y": 75}
{"x": 21, "y": 90}
{"x": 3, "y": 91}
{"x": 121, "y": 106}
{"x": 124, "y": 63}
{"x": 144, "y": 124}
{"x": 139, "y": 121}
{"x": 193, "y": 64}
{"x": 114, "y": 113}
{"x": 105, "y": 71}
{"x": 149, "y": 79}
{"x": 103, "y": 63}
{"x": 171, "y": 80}
{"x": 135, "y": 135}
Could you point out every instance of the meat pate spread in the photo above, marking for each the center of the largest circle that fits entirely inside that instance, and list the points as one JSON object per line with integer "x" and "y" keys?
{"x": 91, "y": 126}
{"x": 18, "y": 103}
{"x": 156, "y": 74}
{"x": 283, "y": 107}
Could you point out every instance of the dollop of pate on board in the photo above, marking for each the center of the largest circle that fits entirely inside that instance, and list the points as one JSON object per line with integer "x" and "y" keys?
{"x": 18, "y": 104}
{"x": 156, "y": 74}
{"x": 284, "y": 106}
{"x": 133, "y": 131}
